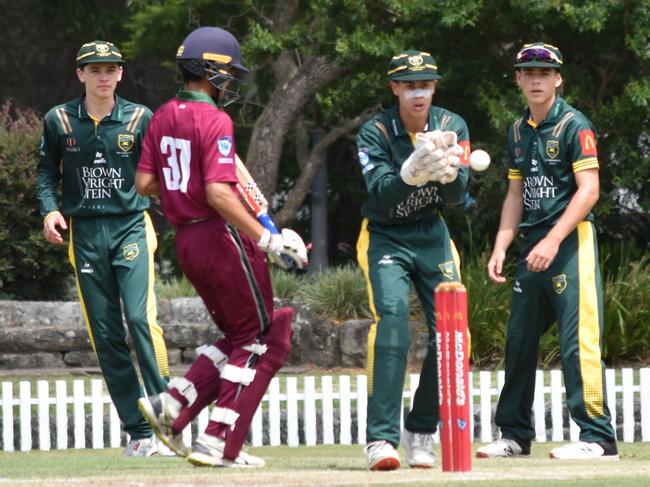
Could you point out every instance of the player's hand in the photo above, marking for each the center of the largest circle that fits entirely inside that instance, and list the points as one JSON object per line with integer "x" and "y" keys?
{"x": 52, "y": 221}
{"x": 415, "y": 170}
{"x": 286, "y": 249}
{"x": 495, "y": 266}
{"x": 541, "y": 257}
{"x": 452, "y": 156}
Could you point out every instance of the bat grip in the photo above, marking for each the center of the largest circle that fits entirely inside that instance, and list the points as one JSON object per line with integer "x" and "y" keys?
{"x": 265, "y": 220}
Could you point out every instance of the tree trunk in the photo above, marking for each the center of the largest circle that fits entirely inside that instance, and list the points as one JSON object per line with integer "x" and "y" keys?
{"x": 287, "y": 101}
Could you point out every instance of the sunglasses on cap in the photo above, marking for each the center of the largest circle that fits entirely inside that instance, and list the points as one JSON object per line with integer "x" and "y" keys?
{"x": 537, "y": 53}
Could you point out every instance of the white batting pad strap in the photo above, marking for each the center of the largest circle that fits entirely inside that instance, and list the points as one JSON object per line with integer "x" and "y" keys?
{"x": 185, "y": 388}
{"x": 256, "y": 348}
{"x": 213, "y": 353}
{"x": 239, "y": 375}
{"x": 224, "y": 416}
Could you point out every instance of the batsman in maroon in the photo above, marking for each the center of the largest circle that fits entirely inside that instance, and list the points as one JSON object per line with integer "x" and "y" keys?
{"x": 188, "y": 158}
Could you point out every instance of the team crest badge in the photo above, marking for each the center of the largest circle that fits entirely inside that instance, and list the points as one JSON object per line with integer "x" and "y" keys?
{"x": 447, "y": 269}
{"x": 125, "y": 142}
{"x": 552, "y": 148}
{"x": 225, "y": 145}
{"x": 559, "y": 283}
{"x": 131, "y": 251}
{"x": 416, "y": 60}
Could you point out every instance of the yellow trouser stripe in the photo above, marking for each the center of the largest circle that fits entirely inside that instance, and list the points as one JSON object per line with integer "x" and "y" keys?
{"x": 589, "y": 324}
{"x": 362, "y": 257}
{"x": 73, "y": 261}
{"x": 158, "y": 341}
{"x": 455, "y": 256}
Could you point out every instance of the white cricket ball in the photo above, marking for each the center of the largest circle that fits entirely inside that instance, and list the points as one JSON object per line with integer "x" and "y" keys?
{"x": 479, "y": 160}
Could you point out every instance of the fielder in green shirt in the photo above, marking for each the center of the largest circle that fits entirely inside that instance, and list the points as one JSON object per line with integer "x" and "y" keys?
{"x": 410, "y": 157}
{"x": 553, "y": 186}
{"x": 92, "y": 145}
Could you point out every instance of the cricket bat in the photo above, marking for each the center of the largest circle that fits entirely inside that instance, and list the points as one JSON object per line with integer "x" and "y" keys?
{"x": 251, "y": 194}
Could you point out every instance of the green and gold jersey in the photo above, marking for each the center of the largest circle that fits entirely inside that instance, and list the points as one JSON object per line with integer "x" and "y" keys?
{"x": 546, "y": 156}
{"x": 96, "y": 159}
{"x": 383, "y": 144}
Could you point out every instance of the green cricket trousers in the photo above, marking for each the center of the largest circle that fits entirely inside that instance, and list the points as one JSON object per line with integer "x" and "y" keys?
{"x": 570, "y": 293}
{"x": 392, "y": 257}
{"x": 113, "y": 261}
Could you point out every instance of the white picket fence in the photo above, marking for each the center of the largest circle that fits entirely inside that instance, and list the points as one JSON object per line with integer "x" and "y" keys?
{"x": 325, "y": 414}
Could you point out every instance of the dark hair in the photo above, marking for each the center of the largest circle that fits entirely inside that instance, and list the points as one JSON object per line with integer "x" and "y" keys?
{"x": 191, "y": 70}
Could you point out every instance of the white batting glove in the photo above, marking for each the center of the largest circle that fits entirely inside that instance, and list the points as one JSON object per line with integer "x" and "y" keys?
{"x": 286, "y": 249}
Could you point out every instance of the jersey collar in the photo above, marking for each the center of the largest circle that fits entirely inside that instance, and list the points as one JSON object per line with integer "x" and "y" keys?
{"x": 556, "y": 111}
{"x": 198, "y": 96}
{"x": 397, "y": 128}
{"x": 116, "y": 114}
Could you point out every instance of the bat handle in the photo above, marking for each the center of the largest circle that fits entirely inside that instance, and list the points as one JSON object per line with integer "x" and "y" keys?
{"x": 265, "y": 220}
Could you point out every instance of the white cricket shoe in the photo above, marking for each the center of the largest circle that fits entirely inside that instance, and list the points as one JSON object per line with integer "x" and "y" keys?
{"x": 382, "y": 456}
{"x": 244, "y": 460}
{"x": 207, "y": 451}
{"x": 585, "y": 451}
{"x": 419, "y": 449}
{"x": 141, "y": 447}
{"x": 161, "y": 411}
{"x": 502, "y": 448}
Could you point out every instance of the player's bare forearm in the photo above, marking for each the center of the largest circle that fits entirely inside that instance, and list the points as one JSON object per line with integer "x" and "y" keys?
{"x": 511, "y": 212}
{"x": 225, "y": 202}
{"x": 147, "y": 184}
{"x": 508, "y": 227}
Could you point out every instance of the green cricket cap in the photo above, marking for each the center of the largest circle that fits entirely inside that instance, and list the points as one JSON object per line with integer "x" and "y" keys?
{"x": 539, "y": 55}
{"x": 99, "y": 52}
{"x": 413, "y": 66}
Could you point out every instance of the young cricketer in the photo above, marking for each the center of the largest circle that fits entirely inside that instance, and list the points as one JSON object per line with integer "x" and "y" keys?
{"x": 92, "y": 145}
{"x": 189, "y": 158}
{"x": 410, "y": 159}
{"x": 553, "y": 187}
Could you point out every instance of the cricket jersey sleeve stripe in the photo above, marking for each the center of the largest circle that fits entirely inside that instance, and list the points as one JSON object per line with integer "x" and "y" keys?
{"x": 63, "y": 120}
{"x": 562, "y": 123}
{"x": 588, "y": 163}
{"x": 514, "y": 174}
{"x": 135, "y": 119}
{"x": 516, "y": 132}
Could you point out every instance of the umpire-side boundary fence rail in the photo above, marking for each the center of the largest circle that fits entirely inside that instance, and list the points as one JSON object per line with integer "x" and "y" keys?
{"x": 304, "y": 410}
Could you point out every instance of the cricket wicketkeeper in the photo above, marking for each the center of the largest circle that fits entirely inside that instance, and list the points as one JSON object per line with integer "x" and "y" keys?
{"x": 411, "y": 159}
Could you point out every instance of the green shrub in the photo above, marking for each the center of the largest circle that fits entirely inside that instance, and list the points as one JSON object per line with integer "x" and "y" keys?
{"x": 627, "y": 314}
{"x": 488, "y": 309}
{"x": 339, "y": 293}
{"x": 175, "y": 287}
{"x": 286, "y": 285}
{"x": 30, "y": 267}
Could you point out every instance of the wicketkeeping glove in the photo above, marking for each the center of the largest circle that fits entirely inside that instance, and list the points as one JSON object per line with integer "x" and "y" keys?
{"x": 446, "y": 169}
{"x": 285, "y": 249}
{"x": 415, "y": 170}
